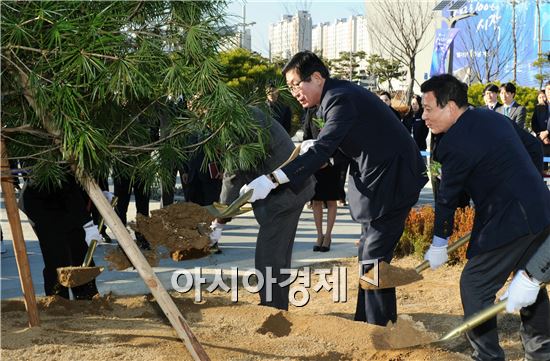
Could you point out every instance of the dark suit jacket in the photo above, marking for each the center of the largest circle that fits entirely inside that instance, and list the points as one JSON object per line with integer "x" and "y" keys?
{"x": 386, "y": 169}
{"x": 281, "y": 113}
{"x": 539, "y": 121}
{"x": 483, "y": 154}
{"x": 279, "y": 149}
{"x": 518, "y": 113}
{"x": 495, "y": 108}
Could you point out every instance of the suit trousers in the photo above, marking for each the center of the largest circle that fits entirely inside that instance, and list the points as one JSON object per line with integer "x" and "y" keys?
{"x": 62, "y": 244}
{"x": 378, "y": 240}
{"x": 482, "y": 277}
{"x": 274, "y": 249}
{"x": 123, "y": 190}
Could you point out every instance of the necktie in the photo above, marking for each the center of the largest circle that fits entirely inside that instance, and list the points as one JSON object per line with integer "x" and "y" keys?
{"x": 506, "y": 111}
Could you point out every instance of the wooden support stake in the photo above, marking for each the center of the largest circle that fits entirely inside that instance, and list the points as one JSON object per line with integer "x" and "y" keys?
{"x": 19, "y": 247}
{"x": 145, "y": 271}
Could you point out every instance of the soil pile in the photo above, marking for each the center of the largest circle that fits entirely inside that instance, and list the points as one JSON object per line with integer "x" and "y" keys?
{"x": 134, "y": 328}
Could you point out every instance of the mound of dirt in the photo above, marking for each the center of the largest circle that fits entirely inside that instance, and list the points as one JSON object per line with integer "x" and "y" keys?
{"x": 135, "y": 328}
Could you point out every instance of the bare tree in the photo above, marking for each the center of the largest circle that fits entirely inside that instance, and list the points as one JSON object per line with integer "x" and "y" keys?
{"x": 486, "y": 52}
{"x": 514, "y": 40}
{"x": 397, "y": 29}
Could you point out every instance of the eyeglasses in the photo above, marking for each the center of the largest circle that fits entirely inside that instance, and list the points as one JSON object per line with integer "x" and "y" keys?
{"x": 298, "y": 86}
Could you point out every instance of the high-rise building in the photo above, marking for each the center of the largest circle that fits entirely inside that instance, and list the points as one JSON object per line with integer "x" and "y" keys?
{"x": 290, "y": 35}
{"x": 344, "y": 35}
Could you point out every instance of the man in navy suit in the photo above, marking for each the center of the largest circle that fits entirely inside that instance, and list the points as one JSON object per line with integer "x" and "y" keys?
{"x": 386, "y": 169}
{"x": 482, "y": 153}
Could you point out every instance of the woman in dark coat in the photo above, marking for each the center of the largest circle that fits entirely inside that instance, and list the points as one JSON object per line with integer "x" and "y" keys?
{"x": 326, "y": 189}
{"x": 415, "y": 124}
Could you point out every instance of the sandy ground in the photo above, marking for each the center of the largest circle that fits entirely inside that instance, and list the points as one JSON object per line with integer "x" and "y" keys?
{"x": 133, "y": 328}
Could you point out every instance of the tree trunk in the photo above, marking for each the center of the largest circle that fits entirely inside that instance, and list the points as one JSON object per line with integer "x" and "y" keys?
{"x": 410, "y": 88}
{"x": 514, "y": 40}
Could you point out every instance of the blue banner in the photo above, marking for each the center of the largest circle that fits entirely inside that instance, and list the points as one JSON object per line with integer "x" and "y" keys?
{"x": 484, "y": 50}
{"x": 443, "y": 39}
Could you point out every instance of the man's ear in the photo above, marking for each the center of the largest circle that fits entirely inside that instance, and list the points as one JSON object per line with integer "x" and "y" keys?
{"x": 317, "y": 78}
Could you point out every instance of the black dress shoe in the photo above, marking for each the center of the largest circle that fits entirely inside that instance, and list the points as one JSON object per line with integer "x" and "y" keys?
{"x": 316, "y": 248}
{"x": 324, "y": 249}
{"x": 142, "y": 243}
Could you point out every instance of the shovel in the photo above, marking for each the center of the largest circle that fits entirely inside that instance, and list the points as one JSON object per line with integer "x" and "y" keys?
{"x": 470, "y": 323}
{"x": 233, "y": 209}
{"x": 76, "y": 276}
{"x": 402, "y": 276}
{"x": 223, "y": 211}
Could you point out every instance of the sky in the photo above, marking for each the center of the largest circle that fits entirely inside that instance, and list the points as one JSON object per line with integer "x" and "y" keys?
{"x": 265, "y": 12}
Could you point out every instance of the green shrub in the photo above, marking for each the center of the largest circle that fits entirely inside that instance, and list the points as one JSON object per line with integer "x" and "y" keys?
{"x": 418, "y": 233}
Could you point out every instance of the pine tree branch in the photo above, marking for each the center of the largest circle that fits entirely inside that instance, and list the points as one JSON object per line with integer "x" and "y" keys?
{"x": 28, "y": 129}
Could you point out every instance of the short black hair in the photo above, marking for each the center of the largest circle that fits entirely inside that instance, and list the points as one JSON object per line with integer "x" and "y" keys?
{"x": 509, "y": 87}
{"x": 491, "y": 87}
{"x": 446, "y": 88}
{"x": 306, "y": 63}
{"x": 383, "y": 92}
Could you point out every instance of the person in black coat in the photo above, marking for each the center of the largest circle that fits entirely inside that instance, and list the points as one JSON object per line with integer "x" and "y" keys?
{"x": 279, "y": 111}
{"x": 490, "y": 97}
{"x": 386, "y": 98}
{"x": 482, "y": 153}
{"x": 540, "y": 120}
{"x": 327, "y": 189}
{"x": 64, "y": 228}
{"x": 415, "y": 124}
{"x": 386, "y": 169}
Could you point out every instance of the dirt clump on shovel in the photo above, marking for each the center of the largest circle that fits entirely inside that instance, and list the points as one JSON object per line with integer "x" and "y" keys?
{"x": 179, "y": 231}
{"x": 388, "y": 276}
{"x": 176, "y": 229}
{"x": 75, "y": 276}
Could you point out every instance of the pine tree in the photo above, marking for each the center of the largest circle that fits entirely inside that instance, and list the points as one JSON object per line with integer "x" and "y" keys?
{"x": 86, "y": 83}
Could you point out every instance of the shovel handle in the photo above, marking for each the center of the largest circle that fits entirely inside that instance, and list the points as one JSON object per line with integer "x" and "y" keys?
{"x": 453, "y": 247}
{"x": 93, "y": 243}
{"x": 89, "y": 253}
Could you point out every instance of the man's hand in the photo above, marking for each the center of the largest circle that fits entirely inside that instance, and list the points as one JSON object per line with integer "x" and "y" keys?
{"x": 261, "y": 186}
{"x": 523, "y": 291}
{"x": 92, "y": 233}
{"x": 437, "y": 254}
{"x": 306, "y": 144}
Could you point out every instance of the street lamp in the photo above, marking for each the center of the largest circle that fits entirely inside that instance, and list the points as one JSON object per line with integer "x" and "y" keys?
{"x": 451, "y": 23}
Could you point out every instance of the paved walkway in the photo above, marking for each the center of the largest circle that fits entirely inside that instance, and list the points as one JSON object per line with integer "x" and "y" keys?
{"x": 237, "y": 244}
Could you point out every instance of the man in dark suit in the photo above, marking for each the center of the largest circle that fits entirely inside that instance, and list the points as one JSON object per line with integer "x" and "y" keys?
{"x": 540, "y": 122}
{"x": 386, "y": 169}
{"x": 509, "y": 107}
{"x": 278, "y": 214}
{"x": 490, "y": 96}
{"x": 482, "y": 153}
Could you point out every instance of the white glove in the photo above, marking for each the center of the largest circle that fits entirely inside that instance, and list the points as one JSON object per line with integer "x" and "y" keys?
{"x": 109, "y": 196}
{"x": 523, "y": 291}
{"x": 92, "y": 233}
{"x": 261, "y": 186}
{"x": 306, "y": 144}
{"x": 216, "y": 233}
{"x": 437, "y": 254}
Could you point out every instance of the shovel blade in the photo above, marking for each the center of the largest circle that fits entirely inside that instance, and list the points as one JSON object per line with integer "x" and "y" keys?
{"x": 77, "y": 276}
